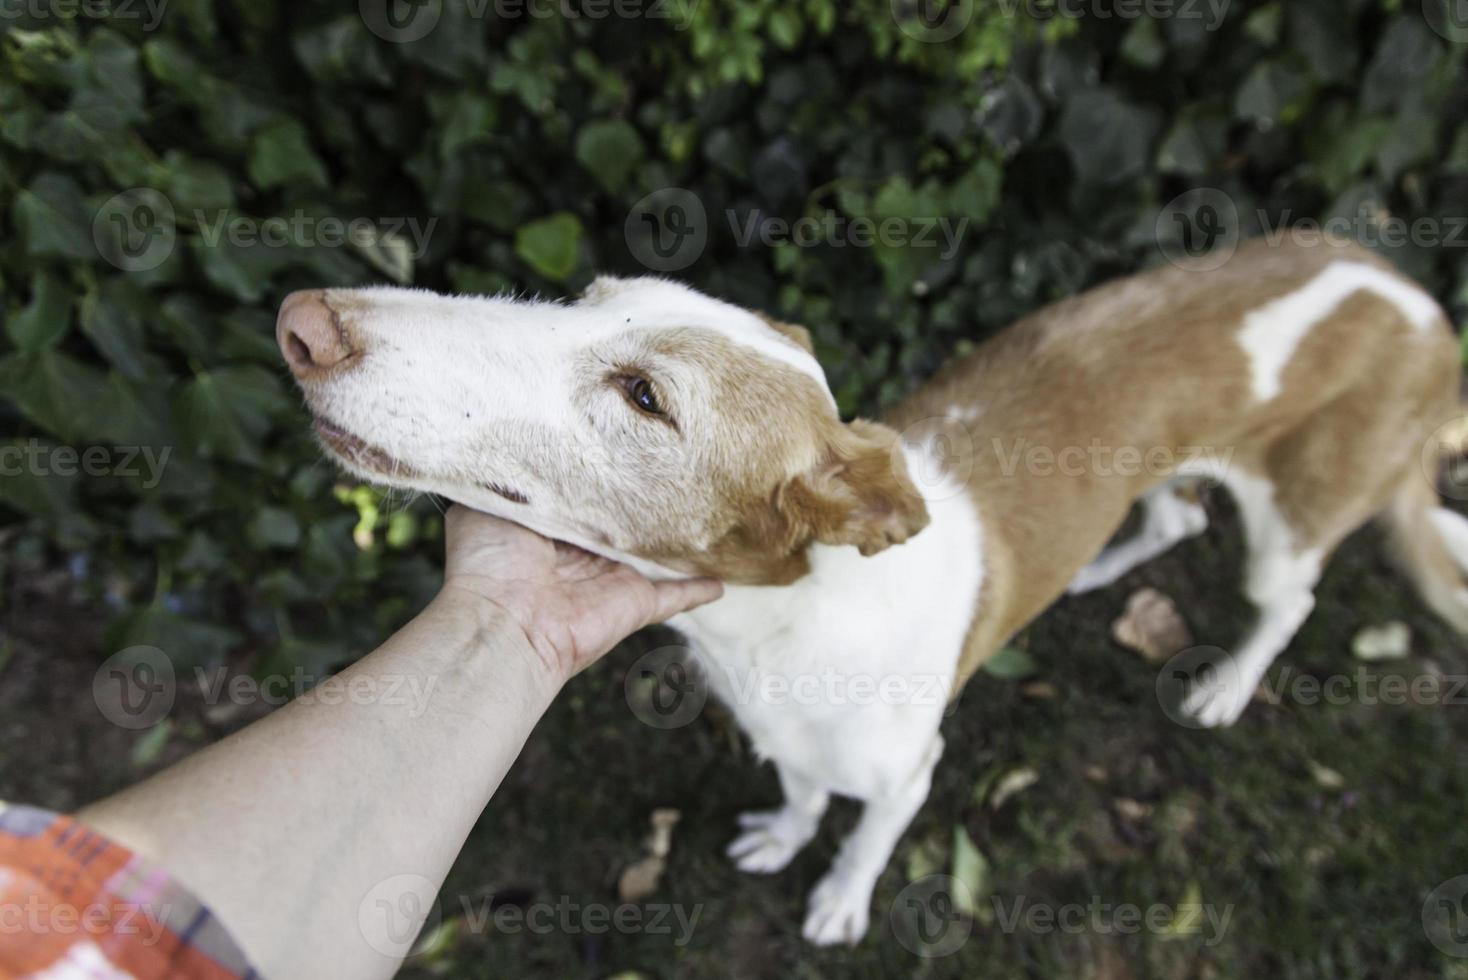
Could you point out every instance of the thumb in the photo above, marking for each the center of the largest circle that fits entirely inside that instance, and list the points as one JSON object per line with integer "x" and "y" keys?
{"x": 673, "y": 597}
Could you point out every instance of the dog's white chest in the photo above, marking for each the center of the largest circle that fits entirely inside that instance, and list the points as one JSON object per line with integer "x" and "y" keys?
{"x": 843, "y": 676}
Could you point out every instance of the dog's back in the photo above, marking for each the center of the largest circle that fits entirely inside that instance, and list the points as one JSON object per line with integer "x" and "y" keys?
{"x": 1316, "y": 370}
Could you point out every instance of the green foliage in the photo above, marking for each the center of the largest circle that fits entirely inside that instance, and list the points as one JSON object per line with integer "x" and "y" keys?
{"x": 498, "y": 153}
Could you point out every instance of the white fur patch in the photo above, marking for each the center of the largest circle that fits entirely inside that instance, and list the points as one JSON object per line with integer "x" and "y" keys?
{"x": 875, "y": 641}
{"x": 1271, "y": 333}
{"x": 1453, "y": 529}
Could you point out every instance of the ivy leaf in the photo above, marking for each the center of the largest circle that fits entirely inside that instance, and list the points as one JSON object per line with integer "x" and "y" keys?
{"x": 1011, "y": 664}
{"x": 1108, "y": 138}
{"x": 53, "y": 390}
{"x": 1407, "y": 54}
{"x": 187, "y": 642}
{"x": 275, "y": 527}
{"x": 970, "y": 869}
{"x": 550, "y": 245}
{"x": 1271, "y": 93}
{"x": 225, "y": 413}
{"x": 281, "y": 154}
{"x": 53, "y": 221}
{"x": 610, "y": 151}
{"x": 115, "y": 330}
{"x": 36, "y": 490}
{"x": 46, "y": 319}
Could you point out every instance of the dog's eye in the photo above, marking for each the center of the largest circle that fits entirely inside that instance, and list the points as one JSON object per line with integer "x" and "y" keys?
{"x": 640, "y": 393}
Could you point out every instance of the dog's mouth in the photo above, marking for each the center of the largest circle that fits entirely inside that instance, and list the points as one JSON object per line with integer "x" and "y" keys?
{"x": 362, "y": 455}
{"x": 358, "y": 452}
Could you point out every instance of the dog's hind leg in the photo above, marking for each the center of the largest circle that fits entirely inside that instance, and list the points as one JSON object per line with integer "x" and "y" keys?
{"x": 1298, "y": 500}
{"x": 840, "y": 904}
{"x": 772, "y": 837}
{"x": 1280, "y": 579}
{"x": 1168, "y": 518}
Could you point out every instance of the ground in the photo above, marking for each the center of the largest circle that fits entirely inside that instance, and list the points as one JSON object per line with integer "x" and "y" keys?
{"x": 1319, "y": 830}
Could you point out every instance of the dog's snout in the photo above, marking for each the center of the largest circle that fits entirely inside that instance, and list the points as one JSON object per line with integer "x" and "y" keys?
{"x": 310, "y": 335}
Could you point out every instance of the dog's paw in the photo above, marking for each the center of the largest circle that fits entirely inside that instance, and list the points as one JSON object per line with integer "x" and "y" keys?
{"x": 838, "y": 911}
{"x": 1219, "y": 704}
{"x": 770, "y": 840}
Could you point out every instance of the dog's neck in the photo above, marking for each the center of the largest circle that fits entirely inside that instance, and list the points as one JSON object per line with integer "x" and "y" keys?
{"x": 734, "y": 626}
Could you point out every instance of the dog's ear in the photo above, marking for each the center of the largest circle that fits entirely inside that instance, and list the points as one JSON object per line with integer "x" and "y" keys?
{"x": 860, "y": 493}
{"x": 791, "y": 332}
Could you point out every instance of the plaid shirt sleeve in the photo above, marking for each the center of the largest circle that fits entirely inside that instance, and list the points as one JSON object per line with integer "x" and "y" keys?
{"x": 73, "y": 904}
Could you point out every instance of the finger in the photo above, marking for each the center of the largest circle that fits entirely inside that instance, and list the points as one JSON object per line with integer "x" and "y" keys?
{"x": 672, "y": 598}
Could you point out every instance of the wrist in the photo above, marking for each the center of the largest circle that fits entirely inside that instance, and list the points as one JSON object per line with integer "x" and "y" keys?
{"x": 495, "y": 627}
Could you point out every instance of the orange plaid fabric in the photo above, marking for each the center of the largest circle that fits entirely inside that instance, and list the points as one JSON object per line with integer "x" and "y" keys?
{"x": 75, "y": 905}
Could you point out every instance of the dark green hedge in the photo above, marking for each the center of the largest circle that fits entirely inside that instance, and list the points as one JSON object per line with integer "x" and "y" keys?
{"x": 517, "y": 145}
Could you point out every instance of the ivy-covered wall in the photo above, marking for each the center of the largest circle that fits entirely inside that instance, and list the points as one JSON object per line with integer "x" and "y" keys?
{"x": 902, "y": 177}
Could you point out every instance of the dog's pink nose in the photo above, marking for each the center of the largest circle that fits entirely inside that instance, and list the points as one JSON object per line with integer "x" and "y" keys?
{"x": 309, "y": 334}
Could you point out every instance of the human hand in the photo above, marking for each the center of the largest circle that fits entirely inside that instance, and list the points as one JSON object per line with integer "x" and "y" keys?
{"x": 573, "y": 606}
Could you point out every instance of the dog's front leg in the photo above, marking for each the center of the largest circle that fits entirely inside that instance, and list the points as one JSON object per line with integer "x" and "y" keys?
{"x": 772, "y": 837}
{"x": 840, "y": 904}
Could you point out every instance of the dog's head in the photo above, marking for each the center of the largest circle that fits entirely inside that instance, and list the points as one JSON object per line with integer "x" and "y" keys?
{"x": 644, "y": 421}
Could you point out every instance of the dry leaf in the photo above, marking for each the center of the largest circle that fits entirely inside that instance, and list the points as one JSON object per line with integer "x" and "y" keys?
{"x": 1326, "y": 777}
{"x": 1132, "y": 810}
{"x": 1390, "y": 641}
{"x": 1152, "y": 626}
{"x": 660, "y": 841}
{"x": 1038, "y": 691}
{"x": 641, "y": 878}
{"x": 1095, "y": 773}
{"x": 1014, "y": 781}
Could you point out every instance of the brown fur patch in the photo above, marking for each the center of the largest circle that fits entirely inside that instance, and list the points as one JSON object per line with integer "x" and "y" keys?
{"x": 1154, "y": 362}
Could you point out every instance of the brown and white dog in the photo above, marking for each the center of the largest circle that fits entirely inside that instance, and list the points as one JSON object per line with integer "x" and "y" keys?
{"x": 873, "y": 567}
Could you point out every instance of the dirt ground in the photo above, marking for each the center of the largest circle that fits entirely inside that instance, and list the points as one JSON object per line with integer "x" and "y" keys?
{"x": 1304, "y": 842}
